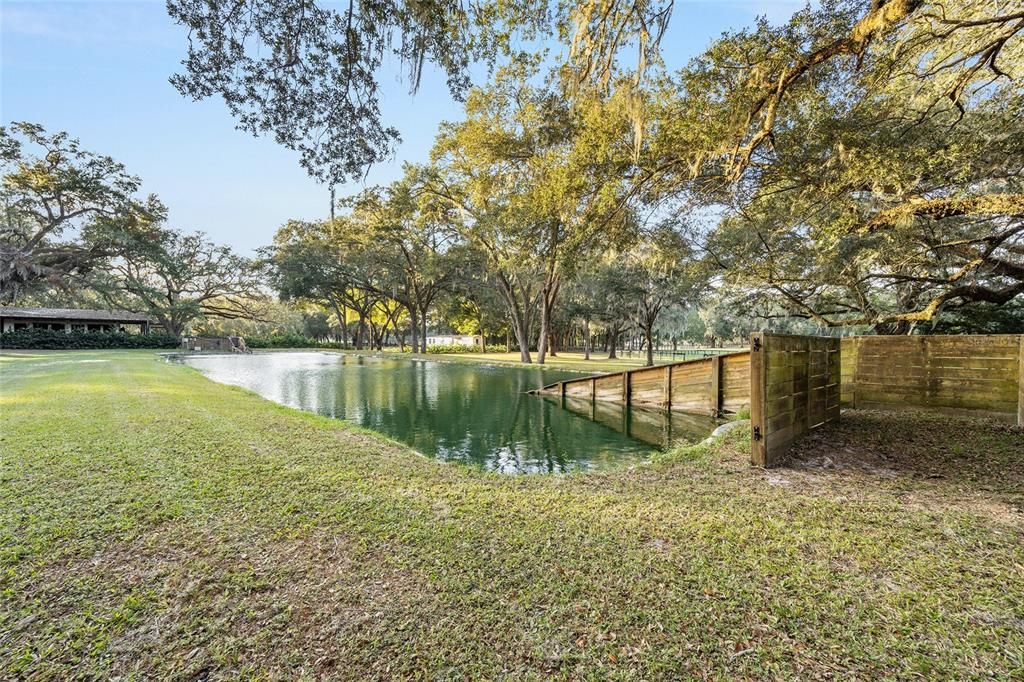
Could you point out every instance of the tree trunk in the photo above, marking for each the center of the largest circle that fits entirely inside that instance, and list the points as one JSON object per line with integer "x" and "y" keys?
{"x": 650, "y": 346}
{"x": 171, "y": 327}
{"x": 522, "y": 331}
{"x": 518, "y": 317}
{"x": 542, "y": 338}
{"x": 360, "y": 330}
{"x": 414, "y": 320}
{"x": 613, "y": 341}
{"x": 549, "y": 294}
{"x": 423, "y": 328}
{"x": 586, "y": 339}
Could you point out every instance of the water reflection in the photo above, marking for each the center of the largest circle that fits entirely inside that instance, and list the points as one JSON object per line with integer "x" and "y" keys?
{"x": 655, "y": 427}
{"x": 474, "y": 414}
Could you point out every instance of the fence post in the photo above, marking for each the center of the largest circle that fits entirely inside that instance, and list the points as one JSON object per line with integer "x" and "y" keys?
{"x": 757, "y": 422}
{"x": 668, "y": 388}
{"x": 716, "y": 385}
{"x": 810, "y": 344}
{"x": 855, "y": 348}
{"x": 1020, "y": 384}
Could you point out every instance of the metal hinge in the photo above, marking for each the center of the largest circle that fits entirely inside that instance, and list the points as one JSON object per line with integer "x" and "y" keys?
{"x": 757, "y": 433}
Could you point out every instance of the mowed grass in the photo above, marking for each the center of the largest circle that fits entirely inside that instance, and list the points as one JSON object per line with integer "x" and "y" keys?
{"x": 156, "y": 525}
{"x": 598, "y": 362}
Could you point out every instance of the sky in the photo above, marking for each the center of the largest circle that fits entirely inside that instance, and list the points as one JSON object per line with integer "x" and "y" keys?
{"x": 99, "y": 70}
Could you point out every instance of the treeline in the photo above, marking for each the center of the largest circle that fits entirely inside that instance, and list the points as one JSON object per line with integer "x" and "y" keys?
{"x": 75, "y": 234}
{"x": 526, "y": 236}
{"x": 857, "y": 168}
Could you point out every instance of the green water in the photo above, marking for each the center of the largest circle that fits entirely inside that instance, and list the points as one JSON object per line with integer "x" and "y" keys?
{"x": 470, "y": 413}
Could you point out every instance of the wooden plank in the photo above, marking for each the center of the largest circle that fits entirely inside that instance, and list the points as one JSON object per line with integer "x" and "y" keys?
{"x": 1008, "y": 416}
{"x": 940, "y": 394}
{"x": 735, "y": 382}
{"x": 959, "y": 372}
{"x": 923, "y": 372}
{"x": 647, "y": 387}
{"x": 788, "y": 420}
{"x": 884, "y": 365}
{"x": 579, "y": 389}
{"x": 608, "y": 389}
{"x": 778, "y": 405}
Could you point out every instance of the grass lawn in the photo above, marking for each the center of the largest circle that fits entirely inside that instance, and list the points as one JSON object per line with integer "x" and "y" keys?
{"x": 598, "y": 362}
{"x": 155, "y": 524}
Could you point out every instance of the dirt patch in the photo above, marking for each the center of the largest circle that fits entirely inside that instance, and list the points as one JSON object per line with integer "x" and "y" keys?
{"x": 921, "y": 459}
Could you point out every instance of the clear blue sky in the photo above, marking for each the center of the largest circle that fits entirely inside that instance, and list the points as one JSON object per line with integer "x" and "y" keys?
{"x": 99, "y": 71}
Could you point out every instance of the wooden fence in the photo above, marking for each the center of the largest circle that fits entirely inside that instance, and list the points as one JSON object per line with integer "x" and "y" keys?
{"x": 974, "y": 375}
{"x": 709, "y": 386}
{"x": 656, "y": 427}
{"x": 795, "y": 386}
{"x": 223, "y": 344}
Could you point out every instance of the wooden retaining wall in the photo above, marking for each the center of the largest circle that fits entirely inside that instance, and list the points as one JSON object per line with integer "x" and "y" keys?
{"x": 979, "y": 375}
{"x": 794, "y": 384}
{"x": 708, "y": 386}
{"x": 795, "y": 387}
{"x": 657, "y": 427}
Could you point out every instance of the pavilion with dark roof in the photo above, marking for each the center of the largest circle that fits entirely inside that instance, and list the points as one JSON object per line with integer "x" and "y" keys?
{"x": 73, "y": 320}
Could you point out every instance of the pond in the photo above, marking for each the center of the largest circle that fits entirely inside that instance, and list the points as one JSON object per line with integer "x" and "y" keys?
{"x": 471, "y": 413}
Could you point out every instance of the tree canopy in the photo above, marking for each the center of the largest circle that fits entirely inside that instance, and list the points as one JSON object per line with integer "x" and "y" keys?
{"x": 859, "y": 166}
{"x": 51, "y": 190}
{"x": 308, "y": 73}
{"x": 865, "y": 157}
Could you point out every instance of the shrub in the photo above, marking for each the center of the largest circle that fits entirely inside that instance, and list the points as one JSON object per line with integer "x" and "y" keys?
{"x": 44, "y": 339}
{"x": 457, "y": 348}
{"x": 288, "y": 341}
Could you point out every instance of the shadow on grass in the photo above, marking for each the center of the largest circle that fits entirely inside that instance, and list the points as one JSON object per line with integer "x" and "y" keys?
{"x": 951, "y": 454}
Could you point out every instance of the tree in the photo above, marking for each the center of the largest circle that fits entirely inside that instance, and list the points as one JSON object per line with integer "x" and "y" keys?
{"x": 982, "y": 318}
{"x": 412, "y": 247}
{"x": 473, "y": 191}
{"x": 179, "y": 278}
{"x": 51, "y": 189}
{"x": 275, "y": 319}
{"x": 535, "y": 185}
{"x": 307, "y": 73}
{"x": 610, "y": 298}
{"x": 306, "y": 263}
{"x": 473, "y": 304}
{"x": 867, "y": 159}
{"x": 659, "y": 272}
{"x": 582, "y": 304}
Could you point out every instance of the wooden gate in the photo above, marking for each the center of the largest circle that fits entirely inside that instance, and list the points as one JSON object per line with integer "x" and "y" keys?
{"x": 795, "y": 385}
